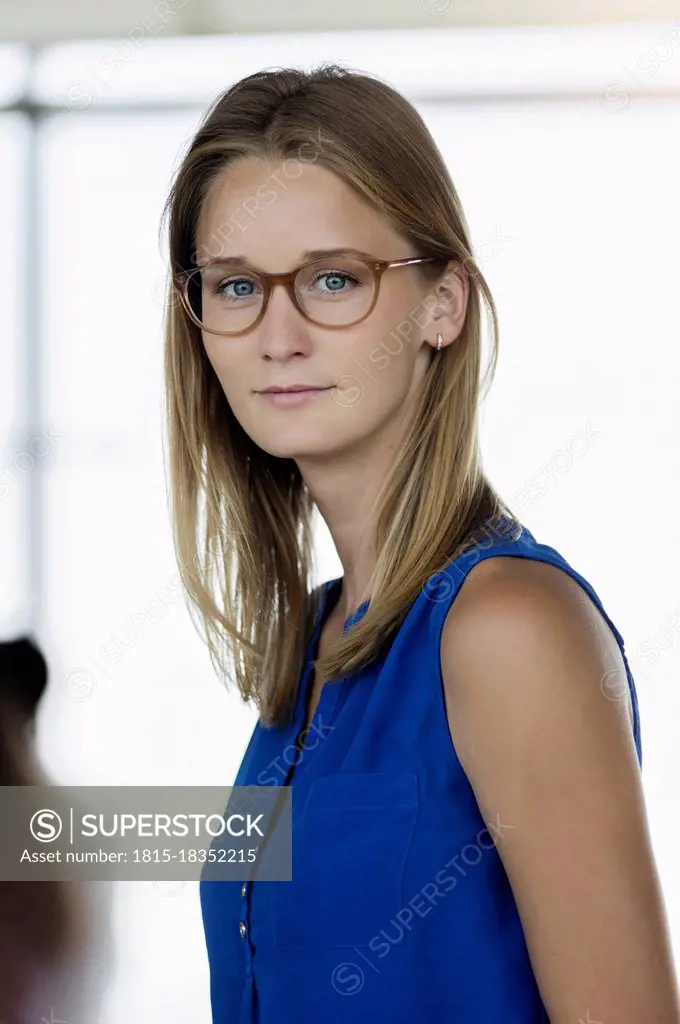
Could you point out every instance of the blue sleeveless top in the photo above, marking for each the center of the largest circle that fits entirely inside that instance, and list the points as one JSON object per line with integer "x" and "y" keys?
{"x": 399, "y": 909}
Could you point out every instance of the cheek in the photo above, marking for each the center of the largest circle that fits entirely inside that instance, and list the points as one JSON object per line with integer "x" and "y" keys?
{"x": 376, "y": 377}
{"x": 404, "y": 309}
{"x": 229, "y": 368}
{"x": 388, "y": 353}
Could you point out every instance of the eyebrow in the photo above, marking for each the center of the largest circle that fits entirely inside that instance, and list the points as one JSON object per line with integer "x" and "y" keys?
{"x": 308, "y": 254}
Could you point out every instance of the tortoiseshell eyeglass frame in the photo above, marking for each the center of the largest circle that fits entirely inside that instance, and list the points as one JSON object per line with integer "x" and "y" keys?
{"x": 182, "y": 278}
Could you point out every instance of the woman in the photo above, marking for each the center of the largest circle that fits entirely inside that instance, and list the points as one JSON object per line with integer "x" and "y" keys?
{"x": 455, "y": 714}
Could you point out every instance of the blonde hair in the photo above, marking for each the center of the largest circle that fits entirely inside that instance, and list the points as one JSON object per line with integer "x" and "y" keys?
{"x": 242, "y": 518}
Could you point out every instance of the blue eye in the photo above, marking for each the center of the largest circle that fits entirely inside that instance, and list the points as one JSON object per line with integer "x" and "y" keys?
{"x": 240, "y": 285}
{"x": 335, "y": 279}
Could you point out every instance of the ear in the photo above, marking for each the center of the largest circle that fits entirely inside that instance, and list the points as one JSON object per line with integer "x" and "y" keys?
{"x": 452, "y": 292}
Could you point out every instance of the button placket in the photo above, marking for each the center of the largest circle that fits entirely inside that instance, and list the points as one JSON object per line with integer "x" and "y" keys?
{"x": 323, "y": 715}
{"x": 328, "y": 701}
{"x": 330, "y": 691}
{"x": 244, "y": 930}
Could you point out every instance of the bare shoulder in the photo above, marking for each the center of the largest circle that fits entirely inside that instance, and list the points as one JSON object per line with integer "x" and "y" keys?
{"x": 547, "y": 744}
{"x": 534, "y": 617}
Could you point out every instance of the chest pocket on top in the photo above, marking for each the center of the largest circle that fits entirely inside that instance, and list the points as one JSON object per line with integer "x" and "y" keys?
{"x": 349, "y": 848}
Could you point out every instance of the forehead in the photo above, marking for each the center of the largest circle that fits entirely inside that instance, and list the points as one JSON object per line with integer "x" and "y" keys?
{"x": 272, "y": 212}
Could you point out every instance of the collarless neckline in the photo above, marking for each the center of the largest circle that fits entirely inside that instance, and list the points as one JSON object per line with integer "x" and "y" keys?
{"x": 332, "y": 593}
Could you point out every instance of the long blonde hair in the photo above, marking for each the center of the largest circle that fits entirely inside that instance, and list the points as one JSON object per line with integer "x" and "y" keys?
{"x": 243, "y": 520}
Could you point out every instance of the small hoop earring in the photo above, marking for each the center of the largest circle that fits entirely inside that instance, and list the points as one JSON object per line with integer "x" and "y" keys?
{"x": 439, "y": 342}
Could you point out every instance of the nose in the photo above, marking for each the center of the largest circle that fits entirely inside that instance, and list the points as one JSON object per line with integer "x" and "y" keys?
{"x": 283, "y": 328}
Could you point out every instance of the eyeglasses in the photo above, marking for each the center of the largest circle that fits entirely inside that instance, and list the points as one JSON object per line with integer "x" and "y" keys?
{"x": 337, "y": 291}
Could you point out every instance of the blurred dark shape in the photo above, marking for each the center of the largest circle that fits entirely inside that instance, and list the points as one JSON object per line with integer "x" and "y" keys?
{"x": 23, "y": 681}
{"x": 40, "y": 921}
{"x": 23, "y": 674}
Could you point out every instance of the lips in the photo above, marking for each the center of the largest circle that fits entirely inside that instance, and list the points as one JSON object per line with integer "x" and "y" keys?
{"x": 293, "y": 388}
{"x": 291, "y": 397}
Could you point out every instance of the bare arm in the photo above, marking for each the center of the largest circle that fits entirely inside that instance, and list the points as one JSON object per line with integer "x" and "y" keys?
{"x": 523, "y": 654}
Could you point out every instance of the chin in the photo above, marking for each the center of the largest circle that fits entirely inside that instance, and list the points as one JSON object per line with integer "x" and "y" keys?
{"x": 288, "y": 448}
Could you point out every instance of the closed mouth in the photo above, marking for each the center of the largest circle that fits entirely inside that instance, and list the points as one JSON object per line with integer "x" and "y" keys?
{"x": 293, "y": 391}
